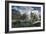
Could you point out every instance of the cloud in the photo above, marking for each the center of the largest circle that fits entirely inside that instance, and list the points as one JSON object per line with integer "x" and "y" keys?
{"x": 26, "y": 9}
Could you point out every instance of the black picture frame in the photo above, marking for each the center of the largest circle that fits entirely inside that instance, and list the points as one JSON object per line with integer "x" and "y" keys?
{"x": 7, "y": 16}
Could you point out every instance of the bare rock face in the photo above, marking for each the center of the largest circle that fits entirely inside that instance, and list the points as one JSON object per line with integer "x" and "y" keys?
{"x": 36, "y": 12}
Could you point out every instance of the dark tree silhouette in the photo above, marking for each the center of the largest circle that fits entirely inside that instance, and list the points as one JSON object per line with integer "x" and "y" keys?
{"x": 23, "y": 17}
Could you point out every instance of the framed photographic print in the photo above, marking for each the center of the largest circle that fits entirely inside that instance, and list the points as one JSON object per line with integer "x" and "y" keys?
{"x": 24, "y": 16}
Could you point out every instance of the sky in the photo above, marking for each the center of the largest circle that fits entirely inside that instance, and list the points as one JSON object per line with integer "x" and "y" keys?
{"x": 26, "y": 9}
